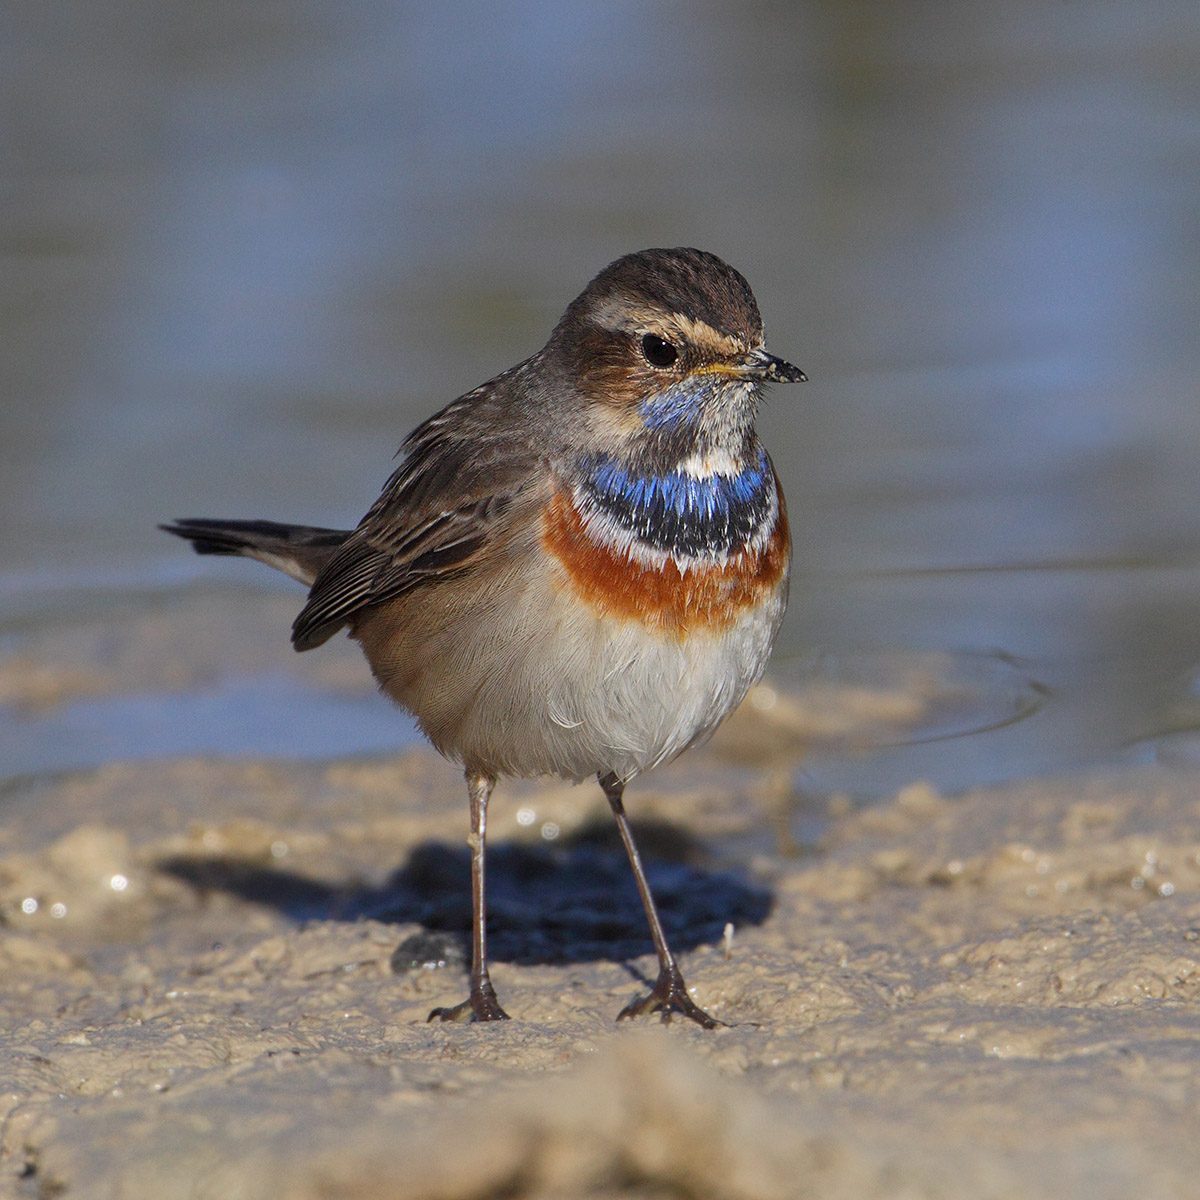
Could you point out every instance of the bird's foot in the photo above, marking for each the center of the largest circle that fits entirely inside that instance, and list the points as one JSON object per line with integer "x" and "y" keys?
{"x": 481, "y": 1005}
{"x": 669, "y": 996}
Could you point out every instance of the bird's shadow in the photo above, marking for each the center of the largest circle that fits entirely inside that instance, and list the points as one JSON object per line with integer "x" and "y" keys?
{"x": 573, "y": 900}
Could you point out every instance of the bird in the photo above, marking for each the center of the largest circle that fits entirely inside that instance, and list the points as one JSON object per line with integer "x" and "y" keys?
{"x": 578, "y": 569}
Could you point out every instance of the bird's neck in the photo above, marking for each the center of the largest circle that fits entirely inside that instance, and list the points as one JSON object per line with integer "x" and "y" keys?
{"x": 708, "y": 507}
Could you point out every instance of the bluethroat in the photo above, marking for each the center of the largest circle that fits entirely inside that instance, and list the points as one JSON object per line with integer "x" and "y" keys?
{"x": 579, "y": 567}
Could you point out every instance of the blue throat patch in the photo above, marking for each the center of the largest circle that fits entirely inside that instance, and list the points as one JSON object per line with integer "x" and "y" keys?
{"x": 678, "y": 513}
{"x": 680, "y": 404}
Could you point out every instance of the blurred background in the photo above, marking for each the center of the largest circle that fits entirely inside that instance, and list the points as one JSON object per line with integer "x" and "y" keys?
{"x": 244, "y": 248}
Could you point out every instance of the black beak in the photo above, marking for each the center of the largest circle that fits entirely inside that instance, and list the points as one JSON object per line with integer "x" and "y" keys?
{"x": 759, "y": 365}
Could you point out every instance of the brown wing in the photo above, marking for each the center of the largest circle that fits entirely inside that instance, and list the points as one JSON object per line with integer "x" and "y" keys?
{"x": 440, "y": 511}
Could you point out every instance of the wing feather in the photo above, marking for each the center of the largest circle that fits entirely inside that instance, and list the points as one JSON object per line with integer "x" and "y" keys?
{"x": 446, "y": 506}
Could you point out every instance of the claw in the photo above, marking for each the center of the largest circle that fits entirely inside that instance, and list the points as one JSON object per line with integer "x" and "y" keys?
{"x": 481, "y": 1005}
{"x": 470, "y": 1010}
{"x": 669, "y": 996}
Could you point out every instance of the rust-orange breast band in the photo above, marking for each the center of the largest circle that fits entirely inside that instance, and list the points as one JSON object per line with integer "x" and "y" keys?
{"x": 707, "y": 598}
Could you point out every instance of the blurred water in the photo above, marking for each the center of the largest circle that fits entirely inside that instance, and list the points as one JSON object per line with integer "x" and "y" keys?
{"x": 244, "y": 248}
{"x": 264, "y": 716}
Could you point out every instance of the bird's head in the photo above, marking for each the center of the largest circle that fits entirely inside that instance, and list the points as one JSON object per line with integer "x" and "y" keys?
{"x": 664, "y": 353}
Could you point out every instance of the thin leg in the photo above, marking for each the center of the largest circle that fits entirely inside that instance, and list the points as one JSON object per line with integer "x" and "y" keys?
{"x": 482, "y": 1004}
{"x": 670, "y": 992}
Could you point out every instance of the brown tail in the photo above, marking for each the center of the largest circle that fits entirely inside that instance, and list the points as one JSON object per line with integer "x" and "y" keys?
{"x": 297, "y": 550}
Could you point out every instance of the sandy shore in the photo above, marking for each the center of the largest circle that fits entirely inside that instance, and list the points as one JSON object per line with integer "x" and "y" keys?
{"x": 987, "y": 995}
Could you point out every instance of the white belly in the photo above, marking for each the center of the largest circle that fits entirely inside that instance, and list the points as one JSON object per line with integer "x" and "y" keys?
{"x": 521, "y": 678}
{"x": 635, "y": 700}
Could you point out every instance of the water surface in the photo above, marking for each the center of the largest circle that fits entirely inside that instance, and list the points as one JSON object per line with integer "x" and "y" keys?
{"x": 244, "y": 250}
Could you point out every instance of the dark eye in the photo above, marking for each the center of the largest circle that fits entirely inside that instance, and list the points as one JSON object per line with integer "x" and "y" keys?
{"x": 658, "y": 353}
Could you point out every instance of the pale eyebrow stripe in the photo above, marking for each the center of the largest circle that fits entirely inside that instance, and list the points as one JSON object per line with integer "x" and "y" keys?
{"x": 620, "y": 315}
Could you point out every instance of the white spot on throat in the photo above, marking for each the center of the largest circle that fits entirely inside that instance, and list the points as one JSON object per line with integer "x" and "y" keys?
{"x": 708, "y": 463}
